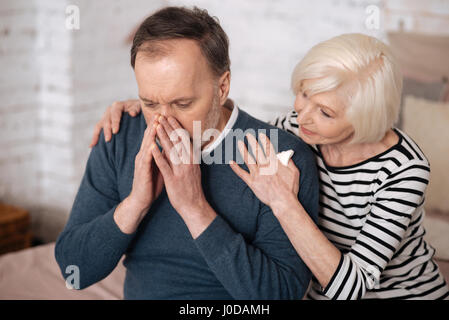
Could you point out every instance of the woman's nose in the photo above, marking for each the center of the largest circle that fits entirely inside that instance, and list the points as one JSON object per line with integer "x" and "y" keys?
{"x": 304, "y": 114}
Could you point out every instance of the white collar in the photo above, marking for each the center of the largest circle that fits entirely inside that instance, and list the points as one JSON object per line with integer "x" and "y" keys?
{"x": 224, "y": 132}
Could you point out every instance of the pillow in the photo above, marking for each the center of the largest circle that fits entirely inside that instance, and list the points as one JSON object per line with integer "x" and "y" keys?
{"x": 437, "y": 234}
{"x": 427, "y": 123}
{"x": 434, "y": 91}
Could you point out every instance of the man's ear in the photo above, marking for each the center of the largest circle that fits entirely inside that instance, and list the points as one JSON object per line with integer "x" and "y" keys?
{"x": 224, "y": 85}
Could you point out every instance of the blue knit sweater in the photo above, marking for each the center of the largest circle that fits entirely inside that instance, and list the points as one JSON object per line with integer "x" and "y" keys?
{"x": 243, "y": 253}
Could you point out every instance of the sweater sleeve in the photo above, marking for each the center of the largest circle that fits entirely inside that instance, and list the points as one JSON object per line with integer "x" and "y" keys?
{"x": 91, "y": 240}
{"x": 287, "y": 122}
{"x": 382, "y": 234}
{"x": 267, "y": 267}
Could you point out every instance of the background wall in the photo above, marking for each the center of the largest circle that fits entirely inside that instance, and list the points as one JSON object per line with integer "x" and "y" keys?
{"x": 56, "y": 81}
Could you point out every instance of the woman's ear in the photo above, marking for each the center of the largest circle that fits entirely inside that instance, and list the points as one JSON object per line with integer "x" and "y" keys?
{"x": 224, "y": 85}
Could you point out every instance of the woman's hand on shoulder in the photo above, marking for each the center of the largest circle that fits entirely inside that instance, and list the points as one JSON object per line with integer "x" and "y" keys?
{"x": 110, "y": 122}
{"x": 273, "y": 183}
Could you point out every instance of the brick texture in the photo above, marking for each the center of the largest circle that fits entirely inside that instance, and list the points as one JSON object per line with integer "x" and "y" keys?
{"x": 55, "y": 83}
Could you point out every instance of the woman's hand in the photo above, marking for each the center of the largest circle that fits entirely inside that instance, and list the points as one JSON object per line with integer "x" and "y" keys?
{"x": 110, "y": 122}
{"x": 273, "y": 183}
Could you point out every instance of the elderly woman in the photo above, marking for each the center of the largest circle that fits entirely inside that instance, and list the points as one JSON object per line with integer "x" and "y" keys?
{"x": 373, "y": 177}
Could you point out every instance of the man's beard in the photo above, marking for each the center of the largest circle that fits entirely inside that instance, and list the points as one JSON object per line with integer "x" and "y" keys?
{"x": 213, "y": 117}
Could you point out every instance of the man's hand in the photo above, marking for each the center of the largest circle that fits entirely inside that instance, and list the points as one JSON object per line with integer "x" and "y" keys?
{"x": 147, "y": 184}
{"x": 110, "y": 122}
{"x": 182, "y": 176}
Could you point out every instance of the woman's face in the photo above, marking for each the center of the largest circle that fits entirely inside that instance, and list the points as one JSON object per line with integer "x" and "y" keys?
{"x": 321, "y": 118}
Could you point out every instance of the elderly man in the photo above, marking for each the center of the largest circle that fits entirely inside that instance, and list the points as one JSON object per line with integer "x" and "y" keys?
{"x": 188, "y": 230}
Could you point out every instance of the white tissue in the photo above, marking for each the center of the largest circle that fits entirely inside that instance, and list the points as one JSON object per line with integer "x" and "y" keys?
{"x": 285, "y": 156}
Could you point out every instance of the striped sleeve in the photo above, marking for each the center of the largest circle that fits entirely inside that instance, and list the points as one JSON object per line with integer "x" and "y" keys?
{"x": 382, "y": 233}
{"x": 287, "y": 122}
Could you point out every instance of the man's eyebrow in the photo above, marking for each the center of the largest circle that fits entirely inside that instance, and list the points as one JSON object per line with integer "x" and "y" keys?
{"x": 145, "y": 99}
{"x": 182, "y": 99}
{"x": 173, "y": 101}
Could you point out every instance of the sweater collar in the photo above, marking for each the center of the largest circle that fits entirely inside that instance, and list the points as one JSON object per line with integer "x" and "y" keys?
{"x": 229, "y": 125}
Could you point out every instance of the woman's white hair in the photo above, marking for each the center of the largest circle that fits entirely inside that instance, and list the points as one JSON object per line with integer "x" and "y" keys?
{"x": 364, "y": 72}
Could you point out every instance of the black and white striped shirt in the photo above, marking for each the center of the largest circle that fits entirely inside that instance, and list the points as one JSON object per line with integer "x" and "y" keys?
{"x": 373, "y": 212}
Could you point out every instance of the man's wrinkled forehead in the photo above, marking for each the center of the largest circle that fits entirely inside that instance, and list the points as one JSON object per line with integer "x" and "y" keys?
{"x": 181, "y": 68}
{"x": 185, "y": 53}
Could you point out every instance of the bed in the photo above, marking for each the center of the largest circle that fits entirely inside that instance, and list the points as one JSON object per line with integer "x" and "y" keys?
{"x": 34, "y": 274}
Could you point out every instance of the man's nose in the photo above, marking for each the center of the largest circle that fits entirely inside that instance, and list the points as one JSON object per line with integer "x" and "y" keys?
{"x": 166, "y": 110}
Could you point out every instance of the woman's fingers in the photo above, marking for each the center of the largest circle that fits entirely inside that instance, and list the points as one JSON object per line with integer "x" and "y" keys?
{"x": 245, "y": 176}
{"x": 269, "y": 150}
{"x": 96, "y": 135}
{"x": 133, "y": 112}
{"x": 107, "y": 130}
{"x": 110, "y": 122}
{"x": 132, "y": 107}
{"x": 116, "y": 115}
{"x": 291, "y": 164}
{"x": 256, "y": 150}
{"x": 293, "y": 167}
{"x": 249, "y": 160}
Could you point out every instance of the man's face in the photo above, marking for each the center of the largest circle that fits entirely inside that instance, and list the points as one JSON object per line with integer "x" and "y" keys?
{"x": 178, "y": 83}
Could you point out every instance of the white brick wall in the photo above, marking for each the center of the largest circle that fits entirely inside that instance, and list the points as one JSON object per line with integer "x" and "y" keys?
{"x": 269, "y": 37}
{"x": 19, "y": 89}
{"x": 55, "y": 83}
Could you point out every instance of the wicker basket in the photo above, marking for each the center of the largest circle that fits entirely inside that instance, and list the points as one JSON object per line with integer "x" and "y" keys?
{"x": 15, "y": 231}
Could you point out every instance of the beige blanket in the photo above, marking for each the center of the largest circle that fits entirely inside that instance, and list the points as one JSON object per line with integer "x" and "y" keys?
{"x": 34, "y": 274}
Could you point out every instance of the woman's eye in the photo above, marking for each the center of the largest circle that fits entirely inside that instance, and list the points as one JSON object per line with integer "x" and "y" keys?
{"x": 150, "y": 105}
{"x": 325, "y": 114}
